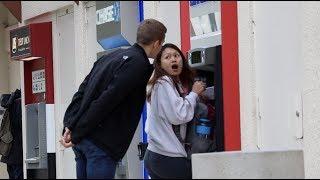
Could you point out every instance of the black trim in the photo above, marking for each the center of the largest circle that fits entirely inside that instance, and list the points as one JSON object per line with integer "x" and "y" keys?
{"x": 49, "y": 173}
{"x": 219, "y": 128}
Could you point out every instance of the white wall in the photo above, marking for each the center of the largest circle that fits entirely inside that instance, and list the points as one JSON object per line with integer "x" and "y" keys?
{"x": 31, "y": 9}
{"x": 270, "y": 74}
{"x": 4, "y": 77}
{"x": 279, "y": 72}
{"x": 14, "y": 75}
{"x": 65, "y": 84}
{"x": 247, "y": 77}
{"x": 248, "y": 165}
{"x": 295, "y": 37}
{"x": 311, "y": 87}
{"x": 167, "y": 12}
{"x": 13, "y": 66}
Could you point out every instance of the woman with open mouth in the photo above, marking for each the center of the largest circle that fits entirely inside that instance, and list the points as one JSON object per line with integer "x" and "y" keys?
{"x": 172, "y": 99}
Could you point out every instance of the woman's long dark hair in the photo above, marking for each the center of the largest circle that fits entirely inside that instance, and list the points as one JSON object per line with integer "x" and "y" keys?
{"x": 186, "y": 77}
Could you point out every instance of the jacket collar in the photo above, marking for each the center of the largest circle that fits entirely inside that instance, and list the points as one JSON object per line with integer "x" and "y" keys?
{"x": 139, "y": 48}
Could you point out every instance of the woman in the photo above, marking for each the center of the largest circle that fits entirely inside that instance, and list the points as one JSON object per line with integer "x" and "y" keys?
{"x": 172, "y": 100}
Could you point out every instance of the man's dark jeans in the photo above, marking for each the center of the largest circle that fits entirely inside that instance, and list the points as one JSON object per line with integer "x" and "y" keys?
{"x": 92, "y": 162}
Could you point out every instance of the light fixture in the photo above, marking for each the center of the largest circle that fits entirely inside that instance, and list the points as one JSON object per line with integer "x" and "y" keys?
{"x": 30, "y": 58}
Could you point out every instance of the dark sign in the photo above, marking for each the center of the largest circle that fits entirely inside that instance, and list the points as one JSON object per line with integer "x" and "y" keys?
{"x": 20, "y": 44}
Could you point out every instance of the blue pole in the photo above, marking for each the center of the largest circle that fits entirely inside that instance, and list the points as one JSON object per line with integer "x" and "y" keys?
{"x": 141, "y": 10}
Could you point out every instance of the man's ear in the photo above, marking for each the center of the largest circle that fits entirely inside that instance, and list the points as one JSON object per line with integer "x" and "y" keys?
{"x": 156, "y": 44}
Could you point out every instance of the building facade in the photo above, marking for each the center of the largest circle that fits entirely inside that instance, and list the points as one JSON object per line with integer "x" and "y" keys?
{"x": 270, "y": 72}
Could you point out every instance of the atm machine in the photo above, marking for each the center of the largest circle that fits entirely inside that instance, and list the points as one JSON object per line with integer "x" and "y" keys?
{"x": 205, "y": 58}
{"x": 207, "y": 64}
{"x": 33, "y": 45}
{"x": 116, "y": 25}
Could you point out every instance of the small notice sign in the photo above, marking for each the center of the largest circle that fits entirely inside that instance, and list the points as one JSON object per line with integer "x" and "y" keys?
{"x": 38, "y": 81}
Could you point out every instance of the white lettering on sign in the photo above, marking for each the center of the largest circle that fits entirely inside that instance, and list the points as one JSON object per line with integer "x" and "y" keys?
{"x": 105, "y": 15}
{"x": 38, "y": 81}
{"x": 108, "y": 14}
{"x": 23, "y": 41}
{"x": 14, "y": 45}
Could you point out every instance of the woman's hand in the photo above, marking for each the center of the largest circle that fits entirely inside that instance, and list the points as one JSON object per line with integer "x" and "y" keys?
{"x": 198, "y": 87}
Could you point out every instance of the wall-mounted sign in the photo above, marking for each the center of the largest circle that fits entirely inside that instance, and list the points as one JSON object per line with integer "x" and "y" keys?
{"x": 109, "y": 13}
{"x": 38, "y": 81}
{"x": 193, "y": 3}
{"x": 20, "y": 44}
{"x": 117, "y": 23}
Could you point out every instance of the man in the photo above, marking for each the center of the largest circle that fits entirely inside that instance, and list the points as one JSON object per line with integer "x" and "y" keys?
{"x": 102, "y": 118}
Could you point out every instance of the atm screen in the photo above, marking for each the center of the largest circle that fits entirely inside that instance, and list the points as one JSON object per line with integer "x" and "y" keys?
{"x": 196, "y": 57}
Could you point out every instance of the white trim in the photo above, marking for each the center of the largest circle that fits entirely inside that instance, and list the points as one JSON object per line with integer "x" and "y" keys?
{"x": 249, "y": 101}
{"x": 50, "y": 123}
{"x": 57, "y": 95}
{"x": 23, "y": 117}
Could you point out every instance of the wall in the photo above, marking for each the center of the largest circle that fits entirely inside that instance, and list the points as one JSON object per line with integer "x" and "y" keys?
{"x": 248, "y": 103}
{"x": 4, "y": 81}
{"x": 311, "y": 87}
{"x": 65, "y": 86}
{"x": 4, "y": 78}
{"x": 270, "y": 75}
{"x": 278, "y": 72}
{"x": 14, "y": 75}
{"x": 303, "y": 39}
{"x": 13, "y": 66}
{"x": 31, "y": 9}
{"x": 167, "y": 12}
{"x": 251, "y": 165}
{"x": 4, "y": 74}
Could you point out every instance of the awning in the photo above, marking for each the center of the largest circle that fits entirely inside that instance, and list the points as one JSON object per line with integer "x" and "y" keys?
{"x": 15, "y": 8}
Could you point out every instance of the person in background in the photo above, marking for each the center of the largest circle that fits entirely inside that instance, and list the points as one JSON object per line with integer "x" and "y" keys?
{"x": 14, "y": 159}
{"x": 172, "y": 100}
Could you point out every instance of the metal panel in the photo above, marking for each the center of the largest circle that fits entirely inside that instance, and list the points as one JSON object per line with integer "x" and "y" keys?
{"x": 205, "y": 26}
{"x": 36, "y": 152}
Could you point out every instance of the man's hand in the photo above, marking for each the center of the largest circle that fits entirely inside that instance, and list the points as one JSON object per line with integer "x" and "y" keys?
{"x": 67, "y": 135}
{"x": 66, "y": 144}
{"x": 66, "y": 139}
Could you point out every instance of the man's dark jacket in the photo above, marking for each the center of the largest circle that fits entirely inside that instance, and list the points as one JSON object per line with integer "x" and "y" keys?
{"x": 108, "y": 105}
